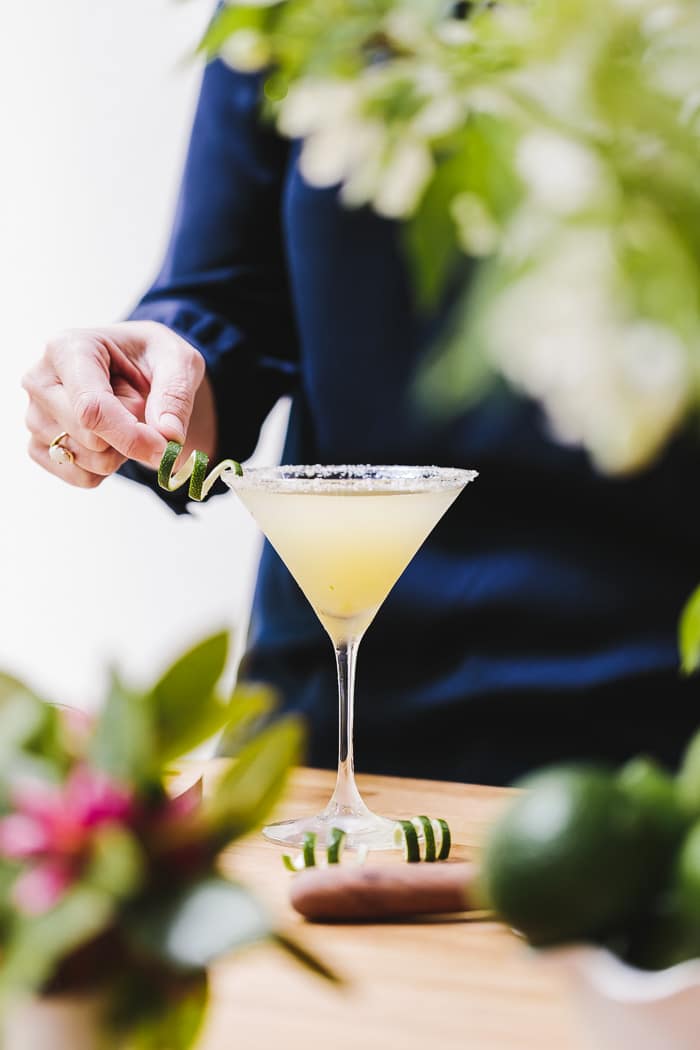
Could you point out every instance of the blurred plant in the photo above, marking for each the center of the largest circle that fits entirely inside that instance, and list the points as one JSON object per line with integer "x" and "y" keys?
{"x": 106, "y": 882}
{"x": 557, "y": 141}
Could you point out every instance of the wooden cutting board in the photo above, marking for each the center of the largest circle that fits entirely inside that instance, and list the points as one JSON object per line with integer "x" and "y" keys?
{"x": 442, "y": 984}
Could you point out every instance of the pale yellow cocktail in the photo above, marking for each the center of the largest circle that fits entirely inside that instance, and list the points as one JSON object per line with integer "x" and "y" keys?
{"x": 347, "y": 551}
{"x": 346, "y": 534}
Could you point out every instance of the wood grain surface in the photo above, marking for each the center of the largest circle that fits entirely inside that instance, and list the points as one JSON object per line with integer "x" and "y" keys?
{"x": 442, "y": 984}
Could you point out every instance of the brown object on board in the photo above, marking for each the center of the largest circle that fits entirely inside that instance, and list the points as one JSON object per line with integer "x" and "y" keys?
{"x": 344, "y": 893}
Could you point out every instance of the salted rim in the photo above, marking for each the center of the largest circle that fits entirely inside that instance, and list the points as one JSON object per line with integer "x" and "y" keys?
{"x": 330, "y": 478}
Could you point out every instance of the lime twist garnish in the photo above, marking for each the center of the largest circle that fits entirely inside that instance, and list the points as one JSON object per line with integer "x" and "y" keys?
{"x": 307, "y": 857}
{"x": 445, "y": 839}
{"x": 407, "y": 832}
{"x": 428, "y": 837}
{"x": 336, "y": 840}
{"x": 424, "y": 838}
{"x": 309, "y": 849}
{"x": 193, "y": 470}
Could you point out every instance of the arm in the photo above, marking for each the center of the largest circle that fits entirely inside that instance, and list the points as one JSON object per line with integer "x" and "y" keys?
{"x": 211, "y": 346}
{"x": 223, "y": 284}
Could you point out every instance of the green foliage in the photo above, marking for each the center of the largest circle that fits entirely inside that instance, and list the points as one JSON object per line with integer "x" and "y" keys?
{"x": 478, "y": 165}
{"x": 122, "y": 888}
{"x": 192, "y": 927}
{"x": 457, "y": 373}
{"x": 247, "y": 792}
{"x": 688, "y": 780}
{"x": 689, "y": 634}
{"x": 230, "y": 20}
{"x": 123, "y": 745}
{"x": 29, "y": 734}
{"x": 185, "y": 705}
{"x": 557, "y": 139}
{"x": 431, "y": 235}
{"x": 7, "y": 878}
{"x": 117, "y": 865}
{"x": 172, "y": 1024}
{"x": 140, "y": 732}
{"x": 299, "y": 953}
{"x": 36, "y": 946}
{"x": 249, "y": 707}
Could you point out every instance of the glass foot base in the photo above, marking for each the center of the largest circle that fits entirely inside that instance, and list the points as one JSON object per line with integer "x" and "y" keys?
{"x": 362, "y": 829}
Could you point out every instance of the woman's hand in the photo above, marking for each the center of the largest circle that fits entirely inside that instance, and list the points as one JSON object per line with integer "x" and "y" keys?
{"x": 119, "y": 393}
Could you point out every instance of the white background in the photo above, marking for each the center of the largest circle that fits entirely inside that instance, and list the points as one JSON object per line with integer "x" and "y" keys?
{"x": 95, "y": 110}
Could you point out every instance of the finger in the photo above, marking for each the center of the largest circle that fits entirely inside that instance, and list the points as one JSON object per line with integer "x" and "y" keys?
{"x": 131, "y": 398}
{"x": 84, "y": 372}
{"x": 45, "y": 429}
{"x": 48, "y": 395}
{"x": 69, "y": 472}
{"x": 176, "y": 373}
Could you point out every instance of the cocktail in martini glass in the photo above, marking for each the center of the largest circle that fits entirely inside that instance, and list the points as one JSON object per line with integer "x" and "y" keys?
{"x": 346, "y": 533}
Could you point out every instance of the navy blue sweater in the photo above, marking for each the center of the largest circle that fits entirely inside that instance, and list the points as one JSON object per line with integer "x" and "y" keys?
{"x": 539, "y": 620}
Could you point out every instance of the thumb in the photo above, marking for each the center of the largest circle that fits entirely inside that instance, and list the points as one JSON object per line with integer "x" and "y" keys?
{"x": 176, "y": 374}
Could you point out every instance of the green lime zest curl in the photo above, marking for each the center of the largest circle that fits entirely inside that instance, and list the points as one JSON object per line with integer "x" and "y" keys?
{"x": 428, "y": 838}
{"x": 423, "y": 839}
{"x": 193, "y": 470}
{"x": 336, "y": 841}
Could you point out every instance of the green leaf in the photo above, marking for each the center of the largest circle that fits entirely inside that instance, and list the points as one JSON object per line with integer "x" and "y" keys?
{"x": 123, "y": 745}
{"x": 231, "y": 20}
{"x": 186, "y": 708}
{"x": 197, "y": 925}
{"x": 477, "y": 161}
{"x": 162, "y": 1021}
{"x": 23, "y": 716}
{"x": 247, "y": 793}
{"x": 30, "y": 739}
{"x": 689, "y": 634}
{"x": 248, "y": 706}
{"x": 306, "y": 958}
{"x": 688, "y": 778}
{"x": 10, "y": 687}
{"x": 8, "y": 874}
{"x": 154, "y": 1007}
{"x": 431, "y": 235}
{"x": 457, "y": 373}
{"x": 117, "y": 864}
{"x": 37, "y": 946}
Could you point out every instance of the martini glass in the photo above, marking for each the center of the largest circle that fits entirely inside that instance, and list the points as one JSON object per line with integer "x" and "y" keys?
{"x": 346, "y": 533}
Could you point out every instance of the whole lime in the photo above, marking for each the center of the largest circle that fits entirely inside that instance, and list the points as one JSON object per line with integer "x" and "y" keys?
{"x": 688, "y": 779}
{"x": 662, "y": 937}
{"x": 573, "y": 857}
{"x": 687, "y": 875}
{"x": 654, "y": 790}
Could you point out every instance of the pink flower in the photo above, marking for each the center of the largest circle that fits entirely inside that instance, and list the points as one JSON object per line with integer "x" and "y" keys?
{"x": 40, "y": 888}
{"x": 95, "y": 799}
{"x": 22, "y": 837}
{"x": 54, "y": 825}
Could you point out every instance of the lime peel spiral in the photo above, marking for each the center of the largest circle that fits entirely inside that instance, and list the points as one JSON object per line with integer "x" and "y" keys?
{"x": 194, "y": 470}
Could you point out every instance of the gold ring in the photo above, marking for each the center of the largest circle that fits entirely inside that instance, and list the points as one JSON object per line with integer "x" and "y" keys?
{"x": 58, "y": 453}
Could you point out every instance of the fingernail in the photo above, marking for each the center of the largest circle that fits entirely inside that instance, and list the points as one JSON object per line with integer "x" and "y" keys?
{"x": 171, "y": 427}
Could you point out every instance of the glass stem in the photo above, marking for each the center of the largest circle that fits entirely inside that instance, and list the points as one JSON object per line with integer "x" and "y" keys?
{"x": 346, "y": 797}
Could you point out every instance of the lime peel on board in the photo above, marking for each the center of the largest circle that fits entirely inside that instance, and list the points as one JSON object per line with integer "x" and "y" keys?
{"x": 309, "y": 849}
{"x": 336, "y": 842}
{"x": 307, "y": 857}
{"x": 193, "y": 470}
{"x": 421, "y": 838}
{"x": 424, "y": 838}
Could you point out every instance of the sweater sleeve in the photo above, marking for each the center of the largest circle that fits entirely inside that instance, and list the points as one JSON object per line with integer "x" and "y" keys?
{"x": 223, "y": 284}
